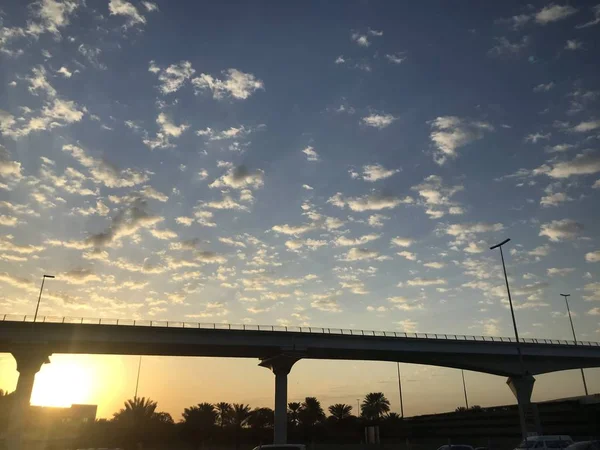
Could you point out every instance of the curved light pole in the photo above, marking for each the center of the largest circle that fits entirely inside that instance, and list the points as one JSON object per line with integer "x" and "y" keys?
{"x": 512, "y": 311}
{"x": 566, "y": 296}
{"x": 40, "y": 297}
{"x": 465, "y": 389}
{"x": 400, "y": 390}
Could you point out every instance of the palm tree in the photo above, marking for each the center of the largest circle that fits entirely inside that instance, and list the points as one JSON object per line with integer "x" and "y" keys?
{"x": 199, "y": 421}
{"x": 261, "y": 418}
{"x": 460, "y": 409}
{"x": 375, "y": 405}
{"x": 293, "y": 413}
{"x": 311, "y": 412}
{"x": 137, "y": 412}
{"x": 224, "y": 412}
{"x": 340, "y": 411}
{"x": 239, "y": 418}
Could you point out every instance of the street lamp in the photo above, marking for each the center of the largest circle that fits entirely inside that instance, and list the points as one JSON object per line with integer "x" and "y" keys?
{"x": 512, "y": 311}
{"x": 465, "y": 388}
{"x": 566, "y": 296}
{"x": 400, "y": 390}
{"x": 40, "y": 297}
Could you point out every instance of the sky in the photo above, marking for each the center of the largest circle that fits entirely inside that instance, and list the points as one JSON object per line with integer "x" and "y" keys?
{"x": 301, "y": 164}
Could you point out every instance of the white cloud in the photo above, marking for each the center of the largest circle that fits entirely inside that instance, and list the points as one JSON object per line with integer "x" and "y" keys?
{"x": 226, "y": 202}
{"x": 559, "y": 230}
{"x": 401, "y": 242}
{"x": 535, "y": 137}
{"x": 542, "y": 250}
{"x": 361, "y": 39}
{"x": 585, "y": 127}
{"x": 293, "y": 230}
{"x": 466, "y": 231}
{"x": 475, "y": 247}
{"x": 8, "y": 168}
{"x": 593, "y": 256}
{"x": 544, "y": 87}
{"x": 311, "y": 154}
{"x": 573, "y": 44}
{"x": 504, "y": 47}
{"x": 582, "y": 164}
{"x": 426, "y": 281}
{"x": 361, "y": 254}
{"x": 124, "y": 8}
{"x": 230, "y": 133}
{"x": 340, "y": 60}
{"x": 435, "y": 265}
{"x": 150, "y": 6}
{"x": 376, "y": 220}
{"x": 451, "y": 133}
{"x": 593, "y": 290}
{"x": 554, "y": 13}
{"x": 554, "y": 199}
{"x": 490, "y": 327}
{"x": 375, "y": 172}
{"x": 553, "y": 271}
{"x": 343, "y": 241}
{"x": 173, "y": 77}
{"x": 373, "y": 202}
{"x": 408, "y": 255}
{"x": 78, "y": 276}
{"x": 103, "y": 172}
{"x": 407, "y": 325}
{"x": 559, "y": 148}
{"x": 239, "y": 178}
{"x": 594, "y": 21}
{"x": 65, "y": 72}
{"x": 185, "y": 221}
{"x": 52, "y": 16}
{"x": 236, "y": 84}
{"x": 378, "y": 121}
{"x": 436, "y": 197}
{"x": 396, "y": 58}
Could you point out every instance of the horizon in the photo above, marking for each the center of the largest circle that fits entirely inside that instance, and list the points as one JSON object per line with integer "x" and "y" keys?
{"x": 300, "y": 164}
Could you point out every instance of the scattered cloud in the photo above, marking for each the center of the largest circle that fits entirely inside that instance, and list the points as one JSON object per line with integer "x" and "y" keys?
{"x": 379, "y": 121}
{"x": 239, "y": 178}
{"x": 173, "y": 77}
{"x": 235, "y": 84}
{"x": 594, "y": 21}
{"x": 343, "y": 241}
{"x": 449, "y": 133}
{"x": 560, "y": 230}
{"x": 437, "y": 197}
{"x": 396, "y": 58}
{"x": 585, "y": 127}
{"x": 124, "y": 8}
{"x": 504, "y": 47}
{"x": 401, "y": 242}
{"x": 593, "y": 257}
{"x": 421, "y": 282}
{"x": 407, "y": 325}
{"x": 573, "y": 44}
{"x": 373, "y": 202}
{"x": 553, "y": 13}
{"x": 311, "y": 154}
{"x": 376, "y": 172}
{"x": 544, "y": 87}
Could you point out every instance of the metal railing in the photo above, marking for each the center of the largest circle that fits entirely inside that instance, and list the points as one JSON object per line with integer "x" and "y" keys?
{"x": 284, "y": 329}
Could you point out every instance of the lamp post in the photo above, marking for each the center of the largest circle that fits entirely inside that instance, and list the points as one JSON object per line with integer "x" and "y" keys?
{"x": 512, "y": 311}
{"x": 137, "y": 383}
{"x": 400, "y": 390}
{"x": 465, "y": 388}
{"x": 40, "y": 297}
{"x": 566, "y": 296}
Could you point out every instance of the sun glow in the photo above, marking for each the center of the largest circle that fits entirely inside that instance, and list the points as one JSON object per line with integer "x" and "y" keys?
{"x": 62, "y": 384}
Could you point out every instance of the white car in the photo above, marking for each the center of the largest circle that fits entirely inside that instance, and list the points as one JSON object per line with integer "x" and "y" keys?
{"x": 551, "y": 442}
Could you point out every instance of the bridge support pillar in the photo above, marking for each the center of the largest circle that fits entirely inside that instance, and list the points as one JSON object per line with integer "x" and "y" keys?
{"x": 29, "y": 361}
{"x": 281, "y": 366}
{"x": 522, "y": 387}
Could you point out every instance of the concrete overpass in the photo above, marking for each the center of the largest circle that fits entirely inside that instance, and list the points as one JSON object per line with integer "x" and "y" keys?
{"x": 278, "y": 348}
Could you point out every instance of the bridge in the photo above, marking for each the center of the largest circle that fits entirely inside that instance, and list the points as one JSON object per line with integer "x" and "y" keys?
{"x": 278, "y": 348}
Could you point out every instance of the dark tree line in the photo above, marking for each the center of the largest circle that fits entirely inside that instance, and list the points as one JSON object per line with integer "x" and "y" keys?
{"x": 140, "y": 423}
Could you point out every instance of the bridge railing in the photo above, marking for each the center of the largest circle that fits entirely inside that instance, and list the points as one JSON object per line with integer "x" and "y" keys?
{"x": 284, "y": 329}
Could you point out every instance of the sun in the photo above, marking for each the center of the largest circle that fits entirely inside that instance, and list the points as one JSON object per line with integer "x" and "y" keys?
{"x": 63, "y": 383}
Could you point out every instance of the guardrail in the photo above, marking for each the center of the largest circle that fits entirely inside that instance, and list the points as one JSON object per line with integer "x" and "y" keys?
{"x": 283, "y": 329}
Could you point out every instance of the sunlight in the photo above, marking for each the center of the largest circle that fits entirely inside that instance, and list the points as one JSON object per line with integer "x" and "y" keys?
{"x": 63, "y": 383}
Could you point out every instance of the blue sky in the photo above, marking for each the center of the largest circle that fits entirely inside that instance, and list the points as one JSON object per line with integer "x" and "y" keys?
{"x": 302, "y": 163}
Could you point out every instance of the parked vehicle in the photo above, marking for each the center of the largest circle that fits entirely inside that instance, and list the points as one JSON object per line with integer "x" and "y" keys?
{"x": 585, "y": 445}
{"x": 550, "y": 442}
{"x": 456, "y": 447}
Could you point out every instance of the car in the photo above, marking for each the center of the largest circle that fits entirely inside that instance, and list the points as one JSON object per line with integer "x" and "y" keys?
{"x": 546, "y": 442}
{"x": 585, "y": 445}
{"x": 281, "y": 447}
{"x": 456, "y": 447}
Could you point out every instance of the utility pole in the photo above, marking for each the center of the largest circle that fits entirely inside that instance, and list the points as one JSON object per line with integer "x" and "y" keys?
{"x": 566, "y": 296}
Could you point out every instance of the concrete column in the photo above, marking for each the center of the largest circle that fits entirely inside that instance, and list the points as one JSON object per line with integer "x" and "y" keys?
{"x": 29, "y": 361}
{"x": 522, "y": 387}
{"x": 281, "y": 366}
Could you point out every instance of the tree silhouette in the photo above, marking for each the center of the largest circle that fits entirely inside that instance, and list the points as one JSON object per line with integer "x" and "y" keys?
{"x": 199, "y": 422}
{"x": 293, "y": 413}
{"x": 311, "y": 412}
{"x": 460, "y": 409}
{"x": 224, "y": 413}
{"x": 261, "y": 418}
{"x": 340, "y": 411}
{"x": 375, "y": 405}
{"x": 137, "y": 422}
{"x": 240, "y": 414}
